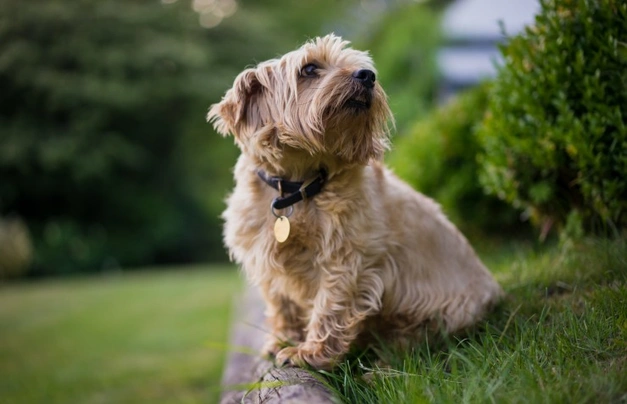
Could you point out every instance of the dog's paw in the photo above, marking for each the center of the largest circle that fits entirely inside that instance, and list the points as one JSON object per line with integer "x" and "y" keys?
{"x": 303, "y": 356}
{"x": 272, "y": 347}
{"x": 287, "y": 357}
{"x": 274, "y": 344}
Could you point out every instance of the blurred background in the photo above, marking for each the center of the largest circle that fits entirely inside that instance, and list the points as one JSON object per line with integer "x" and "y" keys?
{"x": 106, "y": 161}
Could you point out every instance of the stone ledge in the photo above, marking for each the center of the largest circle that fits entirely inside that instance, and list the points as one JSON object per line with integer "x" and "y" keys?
{"x": 276, "y": 385}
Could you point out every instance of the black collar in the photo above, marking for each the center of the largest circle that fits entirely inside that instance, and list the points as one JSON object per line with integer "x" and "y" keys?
{"x": 295, "y": 191}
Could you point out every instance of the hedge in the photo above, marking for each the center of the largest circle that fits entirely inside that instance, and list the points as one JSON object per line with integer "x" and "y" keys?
{"x": 555, "y": 135}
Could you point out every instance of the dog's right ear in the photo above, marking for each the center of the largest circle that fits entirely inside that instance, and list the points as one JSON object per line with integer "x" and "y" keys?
{"x": 227, "y": 114}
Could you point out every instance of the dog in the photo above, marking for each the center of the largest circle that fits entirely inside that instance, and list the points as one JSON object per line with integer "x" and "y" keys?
{"x": 341, "y": 249}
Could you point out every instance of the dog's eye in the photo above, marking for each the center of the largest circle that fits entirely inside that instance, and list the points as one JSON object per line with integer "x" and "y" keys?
{"x": 309, "y": 70}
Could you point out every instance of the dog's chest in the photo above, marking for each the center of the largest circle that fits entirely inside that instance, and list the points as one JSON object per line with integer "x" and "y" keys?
{"x": 250, "y": 237}
{"x": 298, "y": 252}
{"x": 292, "y": 266}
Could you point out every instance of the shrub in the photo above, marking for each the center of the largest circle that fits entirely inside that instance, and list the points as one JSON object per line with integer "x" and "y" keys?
{"x": 438, "y": 157}
{"x": 555, "y": 135}
{"x": 16, "y": 250}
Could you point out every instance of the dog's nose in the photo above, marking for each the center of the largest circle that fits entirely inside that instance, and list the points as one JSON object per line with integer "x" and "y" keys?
{"x": 366, "y": 77}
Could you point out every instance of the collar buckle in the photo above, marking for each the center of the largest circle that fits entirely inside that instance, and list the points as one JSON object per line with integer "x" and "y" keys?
{"x": 303, "y": 188}
{"x": 296, "y": 191}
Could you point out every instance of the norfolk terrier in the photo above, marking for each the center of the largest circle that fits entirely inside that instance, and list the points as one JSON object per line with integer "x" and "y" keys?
{"x": 341, "y": 249}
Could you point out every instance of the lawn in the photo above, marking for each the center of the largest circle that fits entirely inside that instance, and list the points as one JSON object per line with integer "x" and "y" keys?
{"x": 146, "y": 336}
{"x": 559, "y": 337}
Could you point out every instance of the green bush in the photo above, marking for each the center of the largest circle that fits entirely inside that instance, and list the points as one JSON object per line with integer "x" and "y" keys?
{"x": 438, "y": 157}
{"x": 555, "y": 136}
{"x": 16, "y": 250}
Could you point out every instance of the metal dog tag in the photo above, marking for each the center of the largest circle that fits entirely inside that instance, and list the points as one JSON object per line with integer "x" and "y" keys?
{"x": 281, "y": 229}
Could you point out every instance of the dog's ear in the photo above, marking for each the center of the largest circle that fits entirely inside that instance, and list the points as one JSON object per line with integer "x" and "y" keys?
{"x": 227, "y": 114}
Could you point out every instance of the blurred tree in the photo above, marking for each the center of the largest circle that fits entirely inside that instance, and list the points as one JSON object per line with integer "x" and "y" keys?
{"x": 93, "y": 97}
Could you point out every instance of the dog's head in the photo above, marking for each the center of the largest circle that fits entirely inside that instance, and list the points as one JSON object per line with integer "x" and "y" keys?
{"x": 322, "y": 99}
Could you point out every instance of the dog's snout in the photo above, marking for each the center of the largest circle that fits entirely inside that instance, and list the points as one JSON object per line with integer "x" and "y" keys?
{"x": 365, "y": 76}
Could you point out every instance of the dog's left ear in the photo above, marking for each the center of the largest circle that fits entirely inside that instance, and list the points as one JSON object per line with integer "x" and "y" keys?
{"x": 227, "y": 114}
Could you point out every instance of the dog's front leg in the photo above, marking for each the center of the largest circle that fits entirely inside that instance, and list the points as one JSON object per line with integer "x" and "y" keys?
{"x": 343, "y": 302}
{"x": 285, "y": 319}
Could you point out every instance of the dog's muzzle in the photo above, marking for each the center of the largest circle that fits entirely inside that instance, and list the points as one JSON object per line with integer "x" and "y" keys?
{"x": 361, "y": 100}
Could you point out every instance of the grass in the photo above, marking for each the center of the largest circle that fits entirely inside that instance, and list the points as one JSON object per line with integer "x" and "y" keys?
{"x": 560, "y": 337}
{"x": 130, "y": 338}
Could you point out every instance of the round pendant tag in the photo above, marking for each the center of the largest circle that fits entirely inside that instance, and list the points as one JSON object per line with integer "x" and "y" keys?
{"x": 281, "y": 229}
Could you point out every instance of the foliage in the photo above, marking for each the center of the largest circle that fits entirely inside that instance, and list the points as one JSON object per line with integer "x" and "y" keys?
{"x": 438, "y": 157}
{"x": 92, "y": 100}
{"x": 404, "y": 47}
{"x": 555, "y": 136}
{"x": 558, "y": 337}
{"x": 16, "y": 250}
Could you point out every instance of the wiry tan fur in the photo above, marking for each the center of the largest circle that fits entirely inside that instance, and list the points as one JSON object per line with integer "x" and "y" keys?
{"x": 368, "y": 255}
